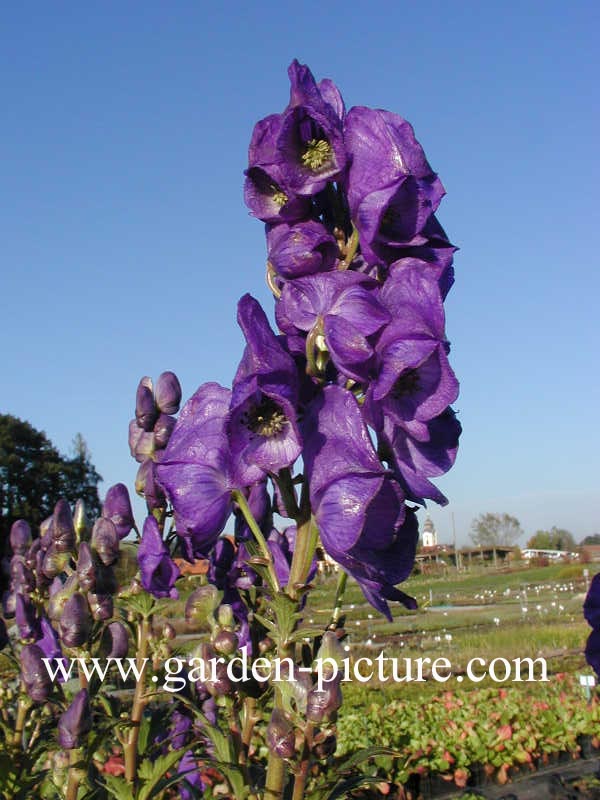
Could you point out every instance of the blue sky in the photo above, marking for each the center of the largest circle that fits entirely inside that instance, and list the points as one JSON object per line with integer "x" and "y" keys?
{"x": 125, "y": 242}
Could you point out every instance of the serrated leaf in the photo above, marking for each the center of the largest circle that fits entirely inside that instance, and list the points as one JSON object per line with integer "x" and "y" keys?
{"x": 118, "y": 787}
{"x": 153, "y": 772}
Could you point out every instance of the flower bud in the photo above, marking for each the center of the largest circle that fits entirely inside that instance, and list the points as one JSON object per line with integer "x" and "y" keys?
{"x": 60, "y": 593}
{"x": 75, "y": 623}
{"x": 117, "y": 508}
{"x": 48, "y": 643}
{"x": 225, "y": 615}
{"x": 34, "y": 674}
{"x": 53, "y": 562}
{"x": 101, "y": 605}
{"x": 322, "y": 705}
{"x": 115, "y": 640}
{"x": 26, "y": 618}
{"x": 148, "y": 487}
{"x": 168, "y": 393}
{"x": 80, "y": 521}
{"x": 163, "y": 430}
{"x": 145, "y": 409}
{"x": 63, "y": 530}
{"x": 226, "y": 642}
{"x": 9, "y": 604}
{"x": 281, "y": 739}
{"x": 330, "y": 649}
{"x": 105, "y": 541}
{"x": 21, "y": 577}
{"x": 86, "y": 571}
{"x": 20, "y": 537}
{"x": 30, "y": 559}
{"x": 201, "y": 604}
{"x": 169, "y": 632}
{"x": 46, "y": 532}
{"x": 75, "y": 722}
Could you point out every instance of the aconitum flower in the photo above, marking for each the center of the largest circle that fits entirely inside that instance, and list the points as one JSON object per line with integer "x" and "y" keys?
{"x": 159, "y": 571}
{"x": 75, "y": 621}
{"x": 419, "y": 451}
{"x": 115, "y": 640}
{"x": 196, "y": 469}
{"x": 191, "y": 777}
{"x": 86, "y": 569}
{"x": 148, "y": 487}
{"x": 117, "y": 508}
{"x": 392, "y": 190}
{"x": 63, "y": 530}
{"x": 301, "y": 249}
{"x": 342, "y": 308}
{"x": 20, "y": 537}
{"x": 280, "y": 735}
{"x": 413, "y": 378}
{"x": 105, "y": 541}
{"x": 149, "y": 432}
{"x": 358, "y": 505}
{"x": 310, "y": 142}
{"x": 34, "y": 674}
{"x": 26, "y": 618}
{"x": 75, "y": 722}
{"x": 261, "y": 425}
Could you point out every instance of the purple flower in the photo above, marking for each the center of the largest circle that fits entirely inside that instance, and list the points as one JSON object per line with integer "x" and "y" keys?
{"x": 190, "y": 772}
{"x": 168, "y": 393}
{"x": 20, "y": 537}
{"x": 75, "y": 622}
{"x": 48, "y": 641}
{"x": 262, "y": 426}
{"x": 301, "y": 249}
{"x": 63, "y": 530}
{"x": 148, "y": 487}
{"x": 75, "y": 722}
{"x": 105, "y": 541}
{"x": 392, "y": 190}
{"x": 115, "y": 640}
{"x": 159, "y": 571}
{"x": 86, "y": 569}
{"x": 263, "y": 189}
{"x": 26, "y": 618}
{"x": 310, "y": 141}
{"x": 280, "y": 735}
{"x": 419, "y": 451}
{"x": 117, "y": 508}
{"x": 196, "y": 470}
{"x": 591, "y": 612}
{"x": 414, "y": 380}
{"x": 34, "y": 674}
{"x": 341, "y": 307}
{"x": 358, "y": 506}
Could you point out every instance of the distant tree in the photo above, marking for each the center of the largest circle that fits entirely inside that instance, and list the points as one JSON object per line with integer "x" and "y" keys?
{"x": 488, "y": 530}
{"x": 594, "y": 538}
{"x": 33, "y": 475}
{"x": 554, "y": 539}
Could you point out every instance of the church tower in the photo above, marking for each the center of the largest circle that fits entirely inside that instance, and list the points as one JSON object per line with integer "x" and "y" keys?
{"x": 429, "y": 533}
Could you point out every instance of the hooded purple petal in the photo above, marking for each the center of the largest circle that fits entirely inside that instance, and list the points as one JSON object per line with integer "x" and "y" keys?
{"x": 301, "y": 249}
{"x": 168, "y": 393}
{"x": 195, "y": 470}
{"x": 117, "y": 508}
{"x": 76, "y": 722}
{"x": 158, "y": 570}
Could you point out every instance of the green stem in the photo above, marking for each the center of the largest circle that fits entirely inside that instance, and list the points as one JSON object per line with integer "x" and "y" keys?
{"x": 258, "y": 535}
{"x": 137, "y": 709}
{"x": 351, "y": 248}
{"x": 307, "y": 536}
{"x": 339, "y": 599}
{"x": 73, "y": 779}
{"x": 302, "y": 775}
{"x": 22, "y": 707}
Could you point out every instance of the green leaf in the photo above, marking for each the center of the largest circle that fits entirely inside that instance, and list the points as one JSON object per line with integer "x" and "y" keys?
{"x": 154, "y": 772}
{"x": 118, "y": 787}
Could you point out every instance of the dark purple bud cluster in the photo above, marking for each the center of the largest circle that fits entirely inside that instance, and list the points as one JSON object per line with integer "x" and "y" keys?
{"x": 149, "y": 434}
